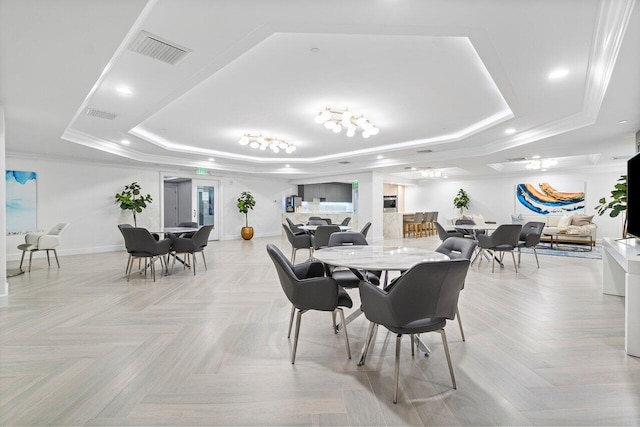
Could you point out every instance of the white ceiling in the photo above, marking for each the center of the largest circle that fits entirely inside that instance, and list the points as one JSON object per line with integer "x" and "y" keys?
{"x": 445, "y": 76}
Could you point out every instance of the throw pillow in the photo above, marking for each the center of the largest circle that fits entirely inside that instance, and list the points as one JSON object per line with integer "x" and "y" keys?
{"x": 517, "y": 219}
{"x": 565, "y": 221}
{"x": 581, "y": 219}
{"x": 466, "y": 216}
{"x": 478, "y": 219}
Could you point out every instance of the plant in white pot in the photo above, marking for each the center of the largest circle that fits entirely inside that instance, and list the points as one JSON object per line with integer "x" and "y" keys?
{"x": 131, "y": 199}
{"x": 461, "y": 201}
{"x": 246, "y": 202}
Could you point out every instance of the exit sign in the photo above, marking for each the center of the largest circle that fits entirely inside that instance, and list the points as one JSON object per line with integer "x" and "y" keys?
{"x": 201, "y": 171}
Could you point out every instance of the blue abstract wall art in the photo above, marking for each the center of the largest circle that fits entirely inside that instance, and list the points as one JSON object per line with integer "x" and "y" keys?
{"x": 21, "y": 201}
{"x": 550, "y": 199}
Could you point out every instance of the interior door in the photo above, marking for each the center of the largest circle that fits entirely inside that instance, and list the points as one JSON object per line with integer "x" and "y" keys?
{"x": 205, "y": 205}
{"x": 170, "y": 205}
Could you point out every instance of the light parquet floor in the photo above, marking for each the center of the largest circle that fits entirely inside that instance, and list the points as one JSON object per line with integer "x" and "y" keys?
{"x": 82, "y": 346}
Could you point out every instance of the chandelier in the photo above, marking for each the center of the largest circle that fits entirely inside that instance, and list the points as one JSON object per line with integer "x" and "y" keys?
{"x": 264, "y": 142}
{"x": 431, "y": 173}
{"x": 336, "y": 120}
{"x": 541, "y": 164}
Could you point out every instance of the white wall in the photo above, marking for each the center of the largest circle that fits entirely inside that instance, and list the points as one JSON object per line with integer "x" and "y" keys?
{"x": 3, "y": 213}
{"x": 494, "y": 198}
{"x": 83, "y": 195}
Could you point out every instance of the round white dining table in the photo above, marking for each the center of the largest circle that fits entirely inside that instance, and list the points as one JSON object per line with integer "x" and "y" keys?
{"x": 315, "y": 227}
{"x": 375, "y": 257}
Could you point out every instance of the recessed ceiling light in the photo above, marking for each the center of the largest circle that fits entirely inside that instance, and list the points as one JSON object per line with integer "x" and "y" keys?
{"x": 287, "y": 166}
{"x": 414, "y": 169}
{"x": 623, "y": 121}
{"x": 535, "y": 157}
{"x": 559, "y": 73}
{"x": 125, "y": 142}
{"x": 510, "y": 131}
{"x": 124, "y": 90}
{"x": 380, "y": 156}
{"x": 211, "y": 159}
{"x": 543, "y": 170}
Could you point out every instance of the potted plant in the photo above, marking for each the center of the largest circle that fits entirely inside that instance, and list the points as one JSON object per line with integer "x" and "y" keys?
{"x": 617, "y": 204}
{"x": 131, "y": 198}
{"x": 461, "y": 201}
{"x": 246, "y": 202}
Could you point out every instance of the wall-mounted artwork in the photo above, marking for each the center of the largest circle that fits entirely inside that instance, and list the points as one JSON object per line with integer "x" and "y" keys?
{"x": 21, "y": 201}
{"x": 557, "y": 198}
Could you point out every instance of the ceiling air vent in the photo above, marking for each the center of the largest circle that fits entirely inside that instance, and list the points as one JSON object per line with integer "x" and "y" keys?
{"x": 517, "y": 159}
{"x": 344, "y": 162}
{"x": 100, "y": 114}
{"x": 425, "y": 151}
{"x": 154, "y": 47}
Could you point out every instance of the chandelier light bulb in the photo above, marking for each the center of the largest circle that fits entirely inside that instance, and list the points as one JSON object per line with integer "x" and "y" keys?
{"x": 337, "y": 129}
{"x": 244, "y": 140}
{"x": 254, "y": 144}
{"x": 361, "y": 121}
{"x": 263, "y": 147}
{"x": 261, "y": 139}
{"x": 338, "y": 119}
{"x": 276, "y": 149}
{"x": 261, "y": 142}
{"x": 283, "y": 145}
{"x": 374, "y": 130}
{"x": 351, "y": 132}
{"x": 437, "y": 173}
{"x": 365, "y": 134}
{"x": 325, "y": 115}
{"x": 330, "y": 124}
{"x": 346, "y": 116}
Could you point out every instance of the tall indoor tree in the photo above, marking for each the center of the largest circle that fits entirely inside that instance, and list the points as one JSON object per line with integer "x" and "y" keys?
{"x": 131, "y": 198}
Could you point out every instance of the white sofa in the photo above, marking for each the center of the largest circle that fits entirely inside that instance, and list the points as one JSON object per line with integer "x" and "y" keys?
{"x": 579, "y": 229}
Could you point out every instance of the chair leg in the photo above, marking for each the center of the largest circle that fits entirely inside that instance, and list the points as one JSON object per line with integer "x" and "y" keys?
{"x": 153, "y": 268}
{"x": 21, "y": 259}
{"x": 413, "y": 345}
{"x": 293, "y": 312}
{"x": 130, "y": 267}
{"x": 367, "y": 343}
{"x": 173, "y": 263}
{"x": 519, "y": 255}
{"x": 48, "y": 260}
{"x": 514, "y": 261}
{"x": 204, "y": 261}
{"x": 295, "y": 339}
{"x": 193, "y": 263}
{"x": 344, "y": 329}
{"x": 397, "y": 369}
{"x": 30, "y": 258}
{"x": 446, "y": 352}
{"x": 460, "y": 323}
{"x": 536, "y": 254}
{"x": 333, "y": 317}
{"x": 293, "y": 256}
{"x": 493, "y": 263}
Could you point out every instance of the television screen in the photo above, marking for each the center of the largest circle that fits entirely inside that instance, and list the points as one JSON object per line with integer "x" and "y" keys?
{"x": 633, "y": 196}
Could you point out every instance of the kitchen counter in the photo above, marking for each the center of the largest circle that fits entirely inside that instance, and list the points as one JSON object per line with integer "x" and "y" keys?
{"x": 336, "y": 218}
{"x": 392, "y": 225}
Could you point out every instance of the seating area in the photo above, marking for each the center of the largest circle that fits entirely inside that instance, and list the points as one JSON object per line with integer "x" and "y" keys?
{"x": 419, "y": 224}
{"x": 575, "y": 228}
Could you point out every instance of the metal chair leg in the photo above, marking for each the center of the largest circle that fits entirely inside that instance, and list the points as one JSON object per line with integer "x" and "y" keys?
{"x": 333, "y": 317}
{"x": 413, "y": 345}
{"x": 519, "y": 255}
{"x": 293, "y": 256}
{"x": 536, "y": 254}
{"x": 344, "y": 329}
{"x": 460, "y": 323}
{"x": 514, "y": 261}
{"x": 193, "y": 263}
{"x": 293, "y": 312}
{"x": 397, "y": 369}
{"x": 204, "y": 261}
{"x": 48, "y": 260}
{"x": 493, "y": 263}
{"x": 295, "y": 339}
{"x": 21, "y": 259}
{"x": 446, "y": 352}
{"x": 173, "y": 264}
{"x": 30, "y": 258}
{"x": 367, "y": 343}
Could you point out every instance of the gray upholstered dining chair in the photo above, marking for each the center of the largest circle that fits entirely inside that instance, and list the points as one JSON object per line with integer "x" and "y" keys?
{"x": 142, "y": 245}
{"x": 530, "y": 237}
{"x": 345, "y": 221}
{"x": 191, "y": 246}
{"x": 318, "y": 221}
{"x": 295, "y": 228}
{"x": 300, "y": 241}
{"x": 445, "y": 234}
{"x": 365, "y": 229}
{"x": 458, "y": 248}
{"x": 309, "y": 293}
{"x": 421, "y": 301}
{"x": 503, "y": 239}
{"x": 320, "y": 238}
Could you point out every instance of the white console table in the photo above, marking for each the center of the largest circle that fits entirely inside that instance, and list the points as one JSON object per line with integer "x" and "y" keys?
{"x": 621, "y": 277}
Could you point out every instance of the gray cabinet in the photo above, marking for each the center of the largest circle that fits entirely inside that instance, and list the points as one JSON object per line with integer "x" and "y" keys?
{"x": 330, "y": 192}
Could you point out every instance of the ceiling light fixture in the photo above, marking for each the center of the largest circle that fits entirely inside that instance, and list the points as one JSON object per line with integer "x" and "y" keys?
{"x": 541, "y": 164}
{"x": 211, "y": 159}
{"x": 510, "y": 131}
{"x": 264, "y": 142}
{"x": 559, "y": 73}
{"x": 623, "y": 122}
{"x": 380, "y": 156}
{"x": 336, "y": 120}
{"x": 125, "y": 142}
{"x": 124, "y": 90}
{"x": 431, "y": 173}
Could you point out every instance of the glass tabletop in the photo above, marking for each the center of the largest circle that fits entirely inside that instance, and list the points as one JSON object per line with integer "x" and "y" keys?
{"x": 374, "y": 257}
